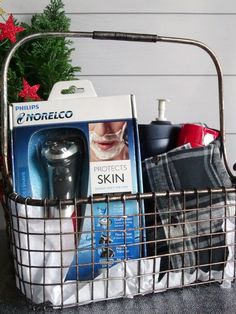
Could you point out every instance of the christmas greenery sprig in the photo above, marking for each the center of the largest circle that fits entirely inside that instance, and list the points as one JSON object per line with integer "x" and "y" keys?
{"x": 39, "y": 64}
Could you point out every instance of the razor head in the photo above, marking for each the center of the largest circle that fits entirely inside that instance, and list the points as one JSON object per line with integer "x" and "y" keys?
{"x": 59, "y": 151}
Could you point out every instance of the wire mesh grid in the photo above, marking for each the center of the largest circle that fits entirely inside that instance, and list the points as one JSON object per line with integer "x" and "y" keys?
{"x": 183, "y": 238}
{"x": 178, "y": 248}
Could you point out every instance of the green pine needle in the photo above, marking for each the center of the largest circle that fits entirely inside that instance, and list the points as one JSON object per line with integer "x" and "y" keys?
{"x": 43, "y": 61}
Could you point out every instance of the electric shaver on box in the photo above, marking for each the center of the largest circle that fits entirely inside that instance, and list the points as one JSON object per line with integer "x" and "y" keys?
{"x": 62, "y": 160}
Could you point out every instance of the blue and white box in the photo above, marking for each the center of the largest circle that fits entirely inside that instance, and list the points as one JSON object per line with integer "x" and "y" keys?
{"x": 98, "y": 139}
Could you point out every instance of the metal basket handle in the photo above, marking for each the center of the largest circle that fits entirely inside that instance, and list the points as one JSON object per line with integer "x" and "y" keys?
{"x": 102, "y": 36}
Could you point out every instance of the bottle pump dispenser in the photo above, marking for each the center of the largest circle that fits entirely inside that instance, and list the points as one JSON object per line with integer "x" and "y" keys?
{"x": 159, "y": 136}
{"x": 161, "y": 119}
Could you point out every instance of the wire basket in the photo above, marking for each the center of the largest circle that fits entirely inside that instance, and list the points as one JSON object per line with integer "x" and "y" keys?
{"x": 180, "y": 246}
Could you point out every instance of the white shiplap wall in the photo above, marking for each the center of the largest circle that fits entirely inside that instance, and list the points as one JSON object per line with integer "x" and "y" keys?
{"x": 183, "y": 74}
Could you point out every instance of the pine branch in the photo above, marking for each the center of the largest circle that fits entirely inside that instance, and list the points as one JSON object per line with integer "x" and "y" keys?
{"x": 43, "y": 61}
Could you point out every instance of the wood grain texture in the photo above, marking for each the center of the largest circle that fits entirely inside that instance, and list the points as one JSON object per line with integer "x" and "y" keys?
{"x": 124, "y": 6}
{"x": 183, "y": 74}
{"x": 110, "y": 57}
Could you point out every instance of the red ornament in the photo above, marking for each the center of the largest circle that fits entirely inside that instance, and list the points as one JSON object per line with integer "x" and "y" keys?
{"x": 29, "y": 92}
{"x": 9, "y": 30}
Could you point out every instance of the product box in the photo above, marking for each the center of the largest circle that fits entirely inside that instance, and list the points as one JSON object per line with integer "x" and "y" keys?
{"x": 74, "y": 146}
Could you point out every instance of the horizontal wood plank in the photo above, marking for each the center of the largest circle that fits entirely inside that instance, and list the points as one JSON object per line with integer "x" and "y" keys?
{"x": 124, "y": 6}
{"x": 119, "y": 58}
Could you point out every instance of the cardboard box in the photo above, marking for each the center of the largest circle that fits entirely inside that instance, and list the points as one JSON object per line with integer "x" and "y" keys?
{"x": 73, "y": 147}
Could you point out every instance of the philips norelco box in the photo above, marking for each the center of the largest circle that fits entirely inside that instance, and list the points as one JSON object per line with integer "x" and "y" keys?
{"x": 77, "y": 147}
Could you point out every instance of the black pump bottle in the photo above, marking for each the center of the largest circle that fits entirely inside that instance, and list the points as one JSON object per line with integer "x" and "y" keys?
{"x": 159, "y": 136}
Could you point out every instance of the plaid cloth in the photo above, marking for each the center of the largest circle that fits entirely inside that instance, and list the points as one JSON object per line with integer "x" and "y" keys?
{"x": 190, "y": 223}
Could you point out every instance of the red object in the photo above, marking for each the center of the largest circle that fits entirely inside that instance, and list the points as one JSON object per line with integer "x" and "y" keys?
{"x": 196, "y": 135}
{"x": 9, "y": 30}
{"x": 74, "y": 220}
{"x": 29, "y": 92}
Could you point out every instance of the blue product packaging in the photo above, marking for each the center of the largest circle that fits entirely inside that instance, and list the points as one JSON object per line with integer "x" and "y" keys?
{"x": 71, "y": 147}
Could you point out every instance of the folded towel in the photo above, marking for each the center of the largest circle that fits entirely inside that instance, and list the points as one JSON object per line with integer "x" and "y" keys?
{"x": 190, "y": 222}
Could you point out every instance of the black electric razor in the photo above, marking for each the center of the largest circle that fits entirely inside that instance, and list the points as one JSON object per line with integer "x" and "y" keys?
{"x": 63, "y": 162}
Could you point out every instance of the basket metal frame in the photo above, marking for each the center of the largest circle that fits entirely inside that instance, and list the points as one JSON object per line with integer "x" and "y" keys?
{"x": 150, "y": 38}
{"x": 16, "y": 199}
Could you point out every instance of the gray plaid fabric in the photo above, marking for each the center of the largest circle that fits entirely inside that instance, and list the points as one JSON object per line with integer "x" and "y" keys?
{"x": 189, "y": 224}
